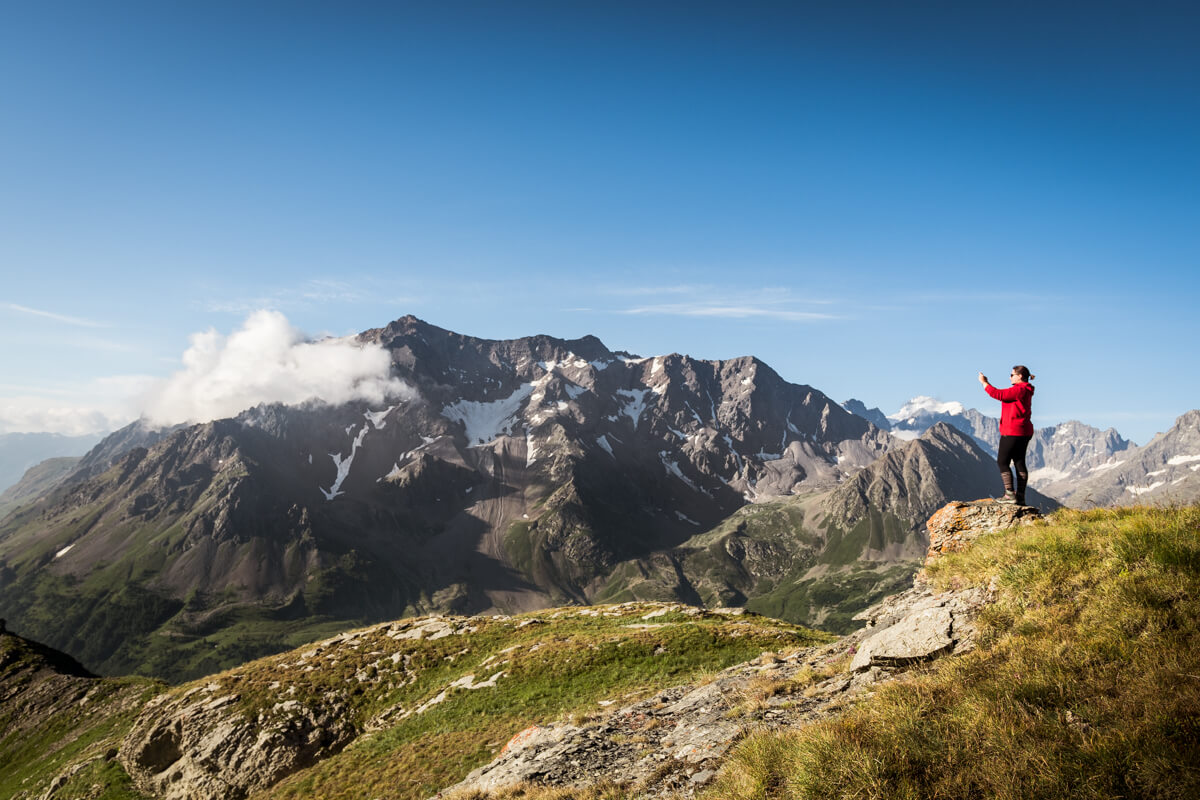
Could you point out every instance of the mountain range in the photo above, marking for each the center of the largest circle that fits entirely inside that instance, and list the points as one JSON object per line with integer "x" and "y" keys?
{"x": 503, "y": 476}
{"x": 1075, "y": 463}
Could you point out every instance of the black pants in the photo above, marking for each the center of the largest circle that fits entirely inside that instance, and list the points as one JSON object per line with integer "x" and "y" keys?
{"x": 1012, "y": 450}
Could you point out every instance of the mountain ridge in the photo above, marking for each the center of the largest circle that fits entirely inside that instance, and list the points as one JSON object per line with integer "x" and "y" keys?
{"x": 508, "y": 475}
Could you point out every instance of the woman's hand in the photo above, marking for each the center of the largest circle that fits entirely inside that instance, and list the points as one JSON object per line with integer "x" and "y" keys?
{"x": 983, "y": 379}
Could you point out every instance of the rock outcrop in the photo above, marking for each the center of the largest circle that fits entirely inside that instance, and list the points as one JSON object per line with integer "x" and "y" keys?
{"x": 200, "y": 745}
{"x": 954, "y": 526}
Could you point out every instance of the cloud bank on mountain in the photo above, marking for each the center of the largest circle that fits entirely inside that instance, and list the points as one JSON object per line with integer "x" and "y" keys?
{"x": 267, "y": 360}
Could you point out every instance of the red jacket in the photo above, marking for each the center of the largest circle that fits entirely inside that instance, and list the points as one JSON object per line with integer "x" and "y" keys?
{"x": 1015, "y": 413}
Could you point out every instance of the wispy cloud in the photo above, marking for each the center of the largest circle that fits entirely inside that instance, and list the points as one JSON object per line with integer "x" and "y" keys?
{"x": 63, "y": 318}
{"x": 730, "y": 311}
{"x": 101, "y": 404}
{"x": 309, "y": 294}
{"x": 982, "y": 297}
{"x": 775, "y": 303}
{"x": 656, "y": 291}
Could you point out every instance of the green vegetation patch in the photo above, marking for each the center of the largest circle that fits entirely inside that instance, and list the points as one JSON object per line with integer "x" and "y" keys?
{"x": 874, "y": 532}
{"x": 829, "y": 602}
{"x": 1086, "y": 683}
{"x": 519, "y": 546}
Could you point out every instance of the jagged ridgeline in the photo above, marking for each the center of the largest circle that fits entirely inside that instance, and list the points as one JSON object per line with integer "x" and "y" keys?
{"x": 505, "y": 475}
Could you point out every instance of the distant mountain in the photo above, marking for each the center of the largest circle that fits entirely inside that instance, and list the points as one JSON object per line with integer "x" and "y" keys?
{"x": 1063, "y": 456}
{"x": 21, "y": 451}
{"x": 1165, "y": 470}
{"x": 872, "y": 415}
{"x": 511, "y": 475}
{"x": 37, "y": 480}
{"x": 922, "y": 413}
{"x": 1059, "y": 456}
{"x": 941, "y": 465}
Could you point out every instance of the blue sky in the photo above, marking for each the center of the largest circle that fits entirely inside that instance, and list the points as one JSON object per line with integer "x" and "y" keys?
{"x": 877, "y": 199}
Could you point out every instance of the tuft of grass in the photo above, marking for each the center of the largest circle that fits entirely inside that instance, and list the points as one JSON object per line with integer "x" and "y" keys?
{"x": 1086, "y": 683}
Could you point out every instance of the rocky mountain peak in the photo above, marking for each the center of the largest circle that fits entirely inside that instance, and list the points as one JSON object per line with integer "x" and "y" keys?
{"x": 915, "y": 480}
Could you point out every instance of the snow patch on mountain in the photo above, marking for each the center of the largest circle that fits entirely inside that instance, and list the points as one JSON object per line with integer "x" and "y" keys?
{"x": 343, "y": 465}
{"x": 1046, "y": 475}
{"x": 674, "y": 469}
{"x": 635, "y": 403}
{"x": 487, "y": 421}
{"x": 377, "y": 418}
{"x": 1175, "y": 461}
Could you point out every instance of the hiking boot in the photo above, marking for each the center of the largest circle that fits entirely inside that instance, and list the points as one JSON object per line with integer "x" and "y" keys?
{"x": 1009, "y": 498}
{"x": 1021, "y": 500}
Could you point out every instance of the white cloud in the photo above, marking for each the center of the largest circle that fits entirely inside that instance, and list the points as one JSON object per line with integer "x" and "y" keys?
{"x": 269, "y": 361}
{"x": 110, "y": 403}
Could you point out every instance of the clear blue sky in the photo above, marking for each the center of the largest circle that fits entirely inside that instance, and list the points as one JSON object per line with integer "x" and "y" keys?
{"x": 878, "y": 199}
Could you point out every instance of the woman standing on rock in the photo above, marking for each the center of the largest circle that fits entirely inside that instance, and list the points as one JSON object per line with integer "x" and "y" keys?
{"x": 1016, "y": 429}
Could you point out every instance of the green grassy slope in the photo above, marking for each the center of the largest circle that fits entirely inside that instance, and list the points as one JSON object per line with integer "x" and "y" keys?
{"x": 1087, "y": 683}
